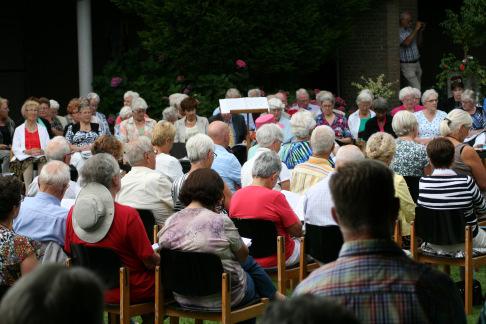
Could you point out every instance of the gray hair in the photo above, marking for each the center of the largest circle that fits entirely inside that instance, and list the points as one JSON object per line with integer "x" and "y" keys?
{"x": 125, "y": 112}
{"x": 175, "y": 99}
{"x": 135, "y": 150}
{"x": 198, "y": 147}
{"x": 468, "y": 95}
{"x": 254, "y": 92}
{"x": 266, "y": 164}
{"x": 169, "y": 113}
{"x": 404, "y": 123}
{"x": 269, "y": 134}
{"x": 139, "y": 103}
{"x": 131, "y": 93}
{"x": 100, "y": 168}
{"x": 348, "y": 153}
{"x": 454, "y": 120}
{"x": 57, "y": 149}
{"x": 325, "y": 96}
{"x": 364, "y": 95}
{"x": 417, "y": 93}
{"x": 54, "y": 104}
{"x": 405, "y": 92}
{"x": 302, "y": 123}
{"x": 381, "y": 146}
{"x": 55, "y": 173}
{"x": 233, "y": 93}
{"x": 380, "y": 104}
{"x": 93, "y": 95}
{"x": 301, "y": 92}
{"x": 428, "y": 93}
{"x": 322, "y": 139}
{"x": 275, "y": 104}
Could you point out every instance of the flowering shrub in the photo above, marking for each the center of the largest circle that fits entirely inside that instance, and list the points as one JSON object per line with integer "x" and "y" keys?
{"x": 468, "y": 69}
{"x": 378, "y": 87}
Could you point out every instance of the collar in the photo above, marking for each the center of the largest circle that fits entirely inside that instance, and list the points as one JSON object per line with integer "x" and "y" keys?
{"x": 444, "y": 172}
{"x": 262, "y": 149}
{"x": 219, "y": 148}
{"x": 319, "y": 161}
{"x": 45, "y": 196}
{"x": 373, "y": 246}
{"x": 140, "y": 169}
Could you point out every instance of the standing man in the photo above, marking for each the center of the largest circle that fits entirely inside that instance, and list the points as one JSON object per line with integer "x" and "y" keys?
{"x": 409, "y": 54}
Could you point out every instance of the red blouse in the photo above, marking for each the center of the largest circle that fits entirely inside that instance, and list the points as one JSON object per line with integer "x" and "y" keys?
{"x": 32, "y": 140}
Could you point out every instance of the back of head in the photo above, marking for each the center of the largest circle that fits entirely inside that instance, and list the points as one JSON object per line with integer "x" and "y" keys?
{"x": 380, "y": 104}
{"x": 100, "y": 168}
{"x": 381, "y": 146}
{"x": 198, "y": 147}
{"x": 10, "y": 188}
{"x": 204, "y": 186}
{"x": 454, "y": 120}
{"x": 233, "y": 93}
{"x": 269, "y": 134}
{"x": 57, "y": 149}
{"x": 322, "y": 140}
{"x": 108, "y": 144}
{"x": 348, "y": 153}
{"x": 404, "y": 123}
{"x": 54, "y": 294}
{"x": 266, "y": 164}
{"x": 218, "y": 131}
{"x": 54, "y": 174}
{"x": 307, "y": 309}
{"x": 440, "y": 152}
{"x": 135, "y": 150}
{"x": 302, "y": 123}
{"x": 163, "y": 133}
{"x": 254, "y": 92}
{"x": 364, "y": 196}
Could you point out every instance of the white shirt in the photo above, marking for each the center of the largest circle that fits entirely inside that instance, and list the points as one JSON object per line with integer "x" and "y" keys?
{"x": 318, "y": 203}
{"x": 144, "y": 188}
{"x": 168, "y": 166}
{"x": 246, "y": 170}
{"x": 71, "y": 192}
{"x": 354, "y": 121}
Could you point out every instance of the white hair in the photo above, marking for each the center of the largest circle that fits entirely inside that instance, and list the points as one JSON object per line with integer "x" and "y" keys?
{"x": 54, "y": 104}
{"x": 57, "y": 149}
{"x": 139, "y": 103}
{"x": 266, "y": 164}
{"x": 275, "y": 104}
{"x": 56, "y": 174}
{"x": 136, "y": 149}
{"x": 428, "y": 93}
{"x": 302, "y": 123}
{"x": 175, "y": 99}
{"x": 468, "y": 95}
{"x": 364, "y": 95}
{"x": 301, "y": 93}
{"x": 454, "y": 120}
{"x": 92, "y": 95}
{"x": 131, "y": 93}
{"x": 349, "y": 153}
{"x": 233, "y": 93}
{"x": 404, "y": 123}
{"x": 322, "y": 139}
{"x": 125, "y": 112}
{"x": 405, "y": 92}
{"x": 268, "y": 134}
{"x": 325, "y": 96}
{"x": 198, "y": 147}
{"x": 169, "y": 113}
{"x": 100, "y": 168}
{"x": 417, "y": 93}
{"x": 254, "y": 92}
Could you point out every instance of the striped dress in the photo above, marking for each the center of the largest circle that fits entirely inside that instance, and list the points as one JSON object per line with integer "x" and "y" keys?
{"x": 445, "y": 189}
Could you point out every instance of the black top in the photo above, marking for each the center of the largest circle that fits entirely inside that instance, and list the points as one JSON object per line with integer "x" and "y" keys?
{"x": 450, "y": 104}
{"x": 5, "y": 136}
{"x": 371, "y": 127}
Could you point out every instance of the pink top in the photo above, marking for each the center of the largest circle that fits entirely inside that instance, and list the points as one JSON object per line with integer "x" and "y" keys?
{"x": 402, "y": 107}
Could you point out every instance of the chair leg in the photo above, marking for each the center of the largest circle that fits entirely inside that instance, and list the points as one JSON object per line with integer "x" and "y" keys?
{"x": 113, "y": 318}
{"x": 174, "y": 320}
{"x": 124, "y": 296}
{"x": 281, "y": 280}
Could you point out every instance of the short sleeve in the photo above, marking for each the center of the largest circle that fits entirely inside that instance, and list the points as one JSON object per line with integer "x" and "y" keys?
{"x": 403, "y": 35}
{"x": 285, "y": 212}
{"x": 232, "y": 234}
{"x": 23, "y": 248}
{"x": 69, "y": 134}
{"x": 424, "y": 160}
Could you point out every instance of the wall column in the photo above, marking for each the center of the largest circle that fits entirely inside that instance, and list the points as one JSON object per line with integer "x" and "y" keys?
{"x": 85, "y": 56}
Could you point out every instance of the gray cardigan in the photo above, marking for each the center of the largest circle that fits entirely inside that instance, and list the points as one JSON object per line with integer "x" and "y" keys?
{"x": 180, "y": 125}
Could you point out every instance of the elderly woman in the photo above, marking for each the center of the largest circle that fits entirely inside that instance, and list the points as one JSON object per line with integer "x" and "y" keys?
{"x": 381, "y": 146}
{"x": 410, "y": 157}
{"x": 357, "y": 120}
{"x": 191, "y": 124}
{"x": 380, "y": 123}
{"x": 478, "y": 114}
{"x": 200, "y": 228}
{"x": 276, "y": 107}
{"x": 407, "y": 96}
{"x": 113, "y": 226}
{"x": 99, "y": 118}
{"x": 175, "y": 100}
{"x": 429, "y": 118}
{"x": 445, "y": 189}
{"x": 137, "y": 125}
{"x": 299, "y": 149}
{"x": 111, "y": 145}
{"x": 337, "y": 122}
{"x": 455, "y": 127}
{"x": 7, "y": 128}
{"x": 169, "y": 114}
{"x": 58, "y": 120}
{"x": 17, "y": 253}
{"x": 163, "y": 140}
{"x": 82, "y": 134}
{"x": 268, "y": 204}
{"x": 72, "y": 116}
{"x": 129, "y": 98}
{"x": 28, "y": 144}
{"x": 125, "y": 113}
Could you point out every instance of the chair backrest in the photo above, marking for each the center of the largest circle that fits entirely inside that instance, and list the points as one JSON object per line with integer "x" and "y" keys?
{"x": 190, "y": 273}
{"x": 323, "y": 243}
{"x": 148, "y": 221}
{"x": 413, "y": 186}
{"x": 442, "y": 227}
{"x": 102, "y": 261}
{"x": 178, "y": 150}
{"x": 263, "y": 235}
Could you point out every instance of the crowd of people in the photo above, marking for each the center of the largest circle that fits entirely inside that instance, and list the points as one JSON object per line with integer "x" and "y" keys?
{"x": 350, "y": 171}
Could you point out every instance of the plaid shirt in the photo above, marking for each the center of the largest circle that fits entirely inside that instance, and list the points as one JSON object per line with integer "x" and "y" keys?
{"x": 408, "y": 53}
{"x": 379, "y": 284}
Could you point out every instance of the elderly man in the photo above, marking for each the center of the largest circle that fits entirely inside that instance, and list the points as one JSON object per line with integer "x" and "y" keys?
{"x": 317, "y": 200}
{"x": 409, "y": 53}
{"x": 269, "y": 138}
{"x": 42, "y": 218}
{"x": 138, "y": 125}
{"x": 372, "y": 276}
{"x": 225, "y": 163}
{"x": 143, "y": 187}
{"x": 98, "y": 118}
{"x": 307, "y": 174}
{"x": 97, "y": 221}
{"x": 57, "y": 149}
{"x": 303, "y": 102}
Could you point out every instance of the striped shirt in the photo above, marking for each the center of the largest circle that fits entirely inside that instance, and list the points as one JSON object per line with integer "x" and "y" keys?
{"x": 445, "y": 189}
{"x": 294, "y": 153}
{"x": 175, "y": 191}
{"x": 408, "y": 53}
{"x": 306, "y": 175}
{"x": 318, "y": 203}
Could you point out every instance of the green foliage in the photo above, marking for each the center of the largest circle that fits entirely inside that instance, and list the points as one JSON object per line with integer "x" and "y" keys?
{"x": 378, "y": 87}
{"x": 468, "y": 68}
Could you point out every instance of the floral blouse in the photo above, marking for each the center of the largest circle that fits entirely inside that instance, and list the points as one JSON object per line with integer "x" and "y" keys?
{"x": 410, "y": 159}
{"x": 429, "y": 129}
{"x": 339, "y": 125}
{"x": 14, "y": 249}
{"x": 479, "y": 118}
{"x": 81, "y": 138}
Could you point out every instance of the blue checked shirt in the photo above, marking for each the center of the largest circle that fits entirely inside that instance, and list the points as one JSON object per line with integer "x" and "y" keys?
{"x": 408, "y": 53}
{"x": 377, "y": 282}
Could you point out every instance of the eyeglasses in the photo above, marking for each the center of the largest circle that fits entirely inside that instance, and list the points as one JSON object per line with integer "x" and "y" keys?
{"x": 214, "y": 154}
{"x": 433, "y": 100}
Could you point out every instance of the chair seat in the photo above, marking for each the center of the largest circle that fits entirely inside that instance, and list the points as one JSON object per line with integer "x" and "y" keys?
{"x": 425, "y": 249}
{"x": 175, "y": 305}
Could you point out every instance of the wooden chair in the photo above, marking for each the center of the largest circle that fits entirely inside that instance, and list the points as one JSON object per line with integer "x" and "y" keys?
{"x": 148, "y": 221}
{"x": 107, "y": 265}
{"x": 323, "y": 243}
{"x": 197, "y": 274}
{"x": 397, "y": 233}
{"x": 444, "y": 227}
{"x": 156, "y": 231}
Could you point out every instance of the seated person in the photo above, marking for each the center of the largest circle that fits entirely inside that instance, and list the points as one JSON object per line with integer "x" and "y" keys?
{"x": 382, "y": 122}
{"x": 96, "y": 220}
{"x": 143, "y": 187}
{"x": 298, "y": 149}
{"x": 17, "y": 252}
{"x": 198, "y": 228}
{"x": 268, "y": 204}
{"x": 163, "y": 140}
{"x": 446, "y": 190}
{"x": 56, "y": 295}
{"x": 111, "y": 145}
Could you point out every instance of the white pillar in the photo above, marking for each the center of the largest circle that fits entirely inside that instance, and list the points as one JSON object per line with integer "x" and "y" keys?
{"x": 85, "y": 58}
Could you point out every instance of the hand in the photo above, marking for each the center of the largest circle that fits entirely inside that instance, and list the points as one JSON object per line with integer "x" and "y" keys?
{"x": 419, "y": 25}
{"x": 3, "y": 147}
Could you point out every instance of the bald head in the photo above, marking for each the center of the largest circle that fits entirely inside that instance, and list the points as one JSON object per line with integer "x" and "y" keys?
{"x": 54, "y": 178}
{"x": 219, "y": 133}
{"x": 348, "y": 153}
